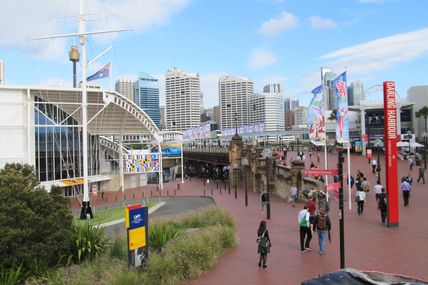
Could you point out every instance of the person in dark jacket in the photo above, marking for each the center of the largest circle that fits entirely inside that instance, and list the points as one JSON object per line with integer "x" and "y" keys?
{"x": 264, "y": 244}
{"x": 322, "y": 225}
{"x": 382, "y": 205}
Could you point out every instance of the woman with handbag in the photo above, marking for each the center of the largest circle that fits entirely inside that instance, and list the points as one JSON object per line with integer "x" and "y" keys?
{"x": 264, "y": 243}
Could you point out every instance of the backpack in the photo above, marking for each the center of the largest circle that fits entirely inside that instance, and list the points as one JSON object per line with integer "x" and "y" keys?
{"x": 322, "y": 222}
{"x": 303, "y": 222}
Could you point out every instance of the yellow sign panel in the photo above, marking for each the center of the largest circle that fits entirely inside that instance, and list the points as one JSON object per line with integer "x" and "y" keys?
{"x": 71, "y": 182}
{"x": 137, "y": 238}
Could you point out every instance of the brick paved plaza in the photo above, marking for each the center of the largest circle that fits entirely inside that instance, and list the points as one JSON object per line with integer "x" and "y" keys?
{"x": 369, "y": 245}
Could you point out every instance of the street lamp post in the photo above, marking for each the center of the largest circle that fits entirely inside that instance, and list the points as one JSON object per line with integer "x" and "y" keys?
{"x": 235, "y": 170}
{"x": 267, "y": 154}
{"x": 245, "y": 163}
{"x": 298, "y": 142}
{"x": 228, "y": 178}
{"x": 409, "y": 135}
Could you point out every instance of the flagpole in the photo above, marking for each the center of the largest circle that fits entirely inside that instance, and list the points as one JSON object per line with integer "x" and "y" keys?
{"x": 349, "y": 175}
{"x": 325, "y": 126}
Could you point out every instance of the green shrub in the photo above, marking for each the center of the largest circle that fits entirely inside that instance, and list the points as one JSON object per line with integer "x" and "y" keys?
{"x": 128, "y": 277}
{"x": 208, "y": 217}
{"x": 119, "y": 249}
{"x": 161, "y": 233}
{"x": 35, "y": 225}
{"x": 161, "y": 270}
{"x": 89, "y": 242}
{"x": 11, "y": 276}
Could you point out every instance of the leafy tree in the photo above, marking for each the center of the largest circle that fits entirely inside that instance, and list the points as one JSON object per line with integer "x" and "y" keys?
{"x": 35, "y": 226}
{"x": 423, "y": 112}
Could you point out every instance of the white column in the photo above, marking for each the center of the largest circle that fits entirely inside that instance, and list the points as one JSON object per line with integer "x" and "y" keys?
{"x": 120, "y": 161}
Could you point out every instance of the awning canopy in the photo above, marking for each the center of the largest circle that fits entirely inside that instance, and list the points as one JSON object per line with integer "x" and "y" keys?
{"x": 412, "y": 144}
{"x": 109, "y": 113}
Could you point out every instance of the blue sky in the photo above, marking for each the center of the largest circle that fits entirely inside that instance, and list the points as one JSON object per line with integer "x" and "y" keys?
{"x": 269, "y": 41}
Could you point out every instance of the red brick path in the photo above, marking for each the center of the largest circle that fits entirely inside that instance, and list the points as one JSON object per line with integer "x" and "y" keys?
{"x": 368, "y": 244}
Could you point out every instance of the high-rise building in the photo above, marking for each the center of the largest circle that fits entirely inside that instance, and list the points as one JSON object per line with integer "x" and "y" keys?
{"x": 289, "y": 119}
{"x": 182, "y": 100}
{"x": 273, "y": 88}
{"x": 125, "y": 86}
{"x": 267, "y": 108}
{"x": 328, "y": 79}
{"x": 162, "y": 117}
{"x": 234, "y": 94}
{"x": 216, "y": 114}
{"x": 419, "y": 96}
{"x": 301, "y": 117}
{"x": 146, "y": 95}
{"x": 355, "y": 93}
{"x": 207, "y": 115}
{"x": 290, "y": 103}
{"x": 1, "y": 73}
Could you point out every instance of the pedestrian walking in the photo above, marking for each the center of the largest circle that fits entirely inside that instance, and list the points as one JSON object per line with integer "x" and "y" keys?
{"x": 421, "y": 174}
{"x": 264, "y": 244}
{"x": 323, "y": 226}
{"x": 409, "y": 178}
{"x": 360, "y": 197}
{"x": 374, "y": 164}
{"x": 405, "y": 188}
{"x": 312, "y": 206}
{"x": 318, "y": 157}
{"x": 263, "y": 199}
{"x": 381, "y": 204}
{"x": 365, "y": 185}
{"x": 377, "y": 190}
{"x": 411, "y": 163}
{"x": 323, "y": 203}
{"x": 305, "y": 229}
{"x": 352, "y": 181}
{"x": 293, "y": 195}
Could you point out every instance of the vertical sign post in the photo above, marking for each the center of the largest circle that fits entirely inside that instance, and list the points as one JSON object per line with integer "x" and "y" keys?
{"x": 137, "y": 225}
{"x": 390, "y": 114}
{"x": 341, "y": 159}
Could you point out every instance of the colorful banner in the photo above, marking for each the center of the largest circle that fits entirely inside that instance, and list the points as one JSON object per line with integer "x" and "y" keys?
{"x": 390, "y": 129}
{"x": 342, "y": 128}
{"x": 316, "y": 121}
{"x": 141, "y": 163}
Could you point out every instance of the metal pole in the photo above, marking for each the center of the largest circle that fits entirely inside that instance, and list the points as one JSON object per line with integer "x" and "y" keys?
{"x": 341, "y": 212}
{"x": 246, "y": 192}
{"x": 268, "y": 190}
{"x": 234, "y": 178}
{"x": 378, "y": 164}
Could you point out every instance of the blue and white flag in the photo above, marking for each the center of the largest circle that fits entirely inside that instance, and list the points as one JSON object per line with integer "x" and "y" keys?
{"x": 102, "y": 73}
{"x": 342, "y": 128}
{"x": 316, "y": 122}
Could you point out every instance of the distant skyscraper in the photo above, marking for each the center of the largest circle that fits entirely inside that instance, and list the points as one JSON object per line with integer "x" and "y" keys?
{"x": 329, "y": 87}
{"x": 1, "y": 73}
{"x": 289, "y": 118}
{"x": 267, "y": 108}
{"x": 125, "y": 86}
{"x": 290, "y": 104}
{"x": 162, "y": 117}
{"x": 146, "y": 95}
{"x": 273, "y": 88}
{"x": 355, "y": 93}
{"x": 234, "y": 94}
{"x": 182, "y": 100}
{"x": 216, "y": 114}
{"x": 301, "y": 116}
{"x": 207, "y": 115}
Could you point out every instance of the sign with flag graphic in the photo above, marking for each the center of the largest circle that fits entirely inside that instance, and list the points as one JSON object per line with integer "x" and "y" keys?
{"x": 342, "y": 129}
{"x": 316, "y": 121}
{"x": 102, "y": 73}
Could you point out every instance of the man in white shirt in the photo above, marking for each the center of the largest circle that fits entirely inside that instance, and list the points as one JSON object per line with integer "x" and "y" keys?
{"x": 293, "y": 194}
{"x": 374, "y": 164}
{"x": 378, "y": 190}
{"x": 305, "y": 229}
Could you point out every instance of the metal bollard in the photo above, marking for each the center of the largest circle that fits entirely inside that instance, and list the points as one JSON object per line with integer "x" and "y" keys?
{"x": 212, "y": 193}
{"x": 204, "y": 192}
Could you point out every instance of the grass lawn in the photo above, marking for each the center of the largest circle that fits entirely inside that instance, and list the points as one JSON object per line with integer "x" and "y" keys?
{"x": 102, "y": 216}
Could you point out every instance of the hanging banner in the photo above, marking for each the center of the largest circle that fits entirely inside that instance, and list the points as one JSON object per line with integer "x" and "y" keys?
{"x": 141, "y": 163}
{"x": 316, "y": 121}
{"x": 342, "y": 128}
{"x": 390, "y": 129}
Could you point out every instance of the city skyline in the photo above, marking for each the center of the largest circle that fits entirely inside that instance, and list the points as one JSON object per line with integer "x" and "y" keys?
{"x": 265, "y": 40}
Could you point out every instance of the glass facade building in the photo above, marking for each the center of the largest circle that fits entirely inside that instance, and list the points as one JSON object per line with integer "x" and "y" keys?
{"x": 146, "y": 96}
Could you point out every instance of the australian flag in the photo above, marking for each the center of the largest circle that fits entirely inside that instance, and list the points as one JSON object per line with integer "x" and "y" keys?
{"x": 102, "y": 73}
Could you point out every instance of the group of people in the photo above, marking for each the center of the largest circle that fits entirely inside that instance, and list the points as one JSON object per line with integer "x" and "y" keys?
{"x": 309, "y": 221}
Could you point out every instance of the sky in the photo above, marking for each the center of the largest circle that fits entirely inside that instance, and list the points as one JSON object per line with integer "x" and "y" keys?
{"x": 268, "y": 41}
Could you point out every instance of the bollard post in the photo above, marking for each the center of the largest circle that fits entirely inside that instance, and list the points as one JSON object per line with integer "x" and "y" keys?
{"x": 212, "y": 193}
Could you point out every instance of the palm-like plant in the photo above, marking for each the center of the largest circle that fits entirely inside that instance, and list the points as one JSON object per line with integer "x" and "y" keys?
{"x": 423, "y": 112}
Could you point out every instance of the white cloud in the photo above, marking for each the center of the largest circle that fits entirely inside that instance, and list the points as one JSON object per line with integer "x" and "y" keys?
{"x": 22, "y": 19}
{"x": 317, "y": 22}
{"x": 379, "y": 54}
{"x": 260, "y": 58}
{"x": 274, "y": 26}
{"x": 209, "y": 87}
